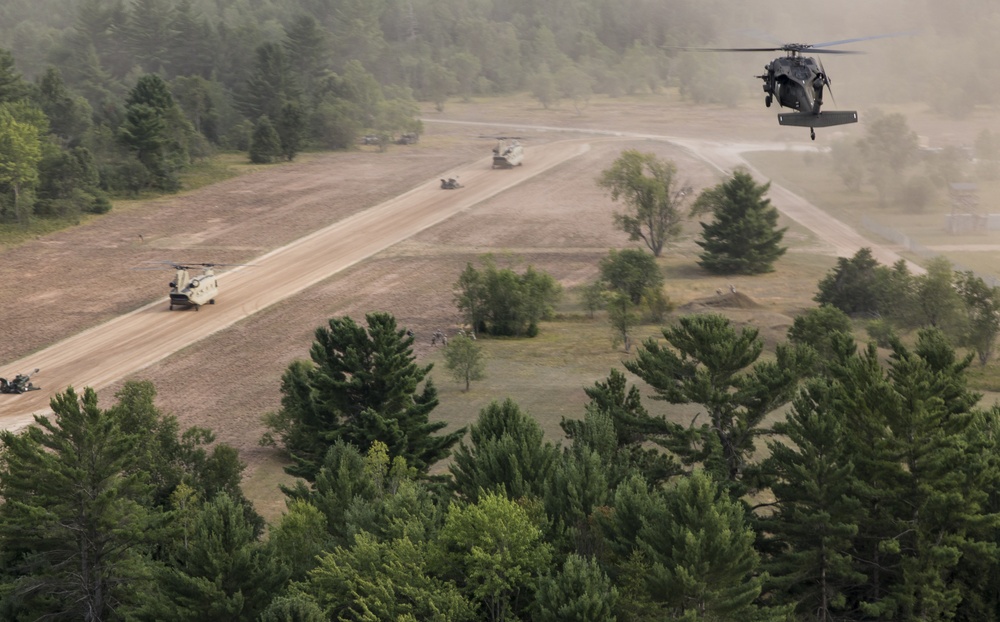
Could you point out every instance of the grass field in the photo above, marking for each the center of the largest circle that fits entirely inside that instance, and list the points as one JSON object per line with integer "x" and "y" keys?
{"x": 812, "y": 176}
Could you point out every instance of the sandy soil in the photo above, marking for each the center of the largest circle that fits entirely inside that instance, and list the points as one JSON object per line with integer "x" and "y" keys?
{"x": 332, "y": 235}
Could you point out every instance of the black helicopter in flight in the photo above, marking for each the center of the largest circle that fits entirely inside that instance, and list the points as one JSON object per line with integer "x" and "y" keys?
{"x": 797, "y": 82}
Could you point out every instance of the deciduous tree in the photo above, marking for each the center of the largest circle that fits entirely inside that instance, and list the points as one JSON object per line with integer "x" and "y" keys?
{"x": 631, "y": 272}
{"x": 500, "y": 301}
{"x": 464, "y": 359}
{"x": 652, "y": 195}
{"x": 496, "y": 552}
{"x": 982, "y": 310}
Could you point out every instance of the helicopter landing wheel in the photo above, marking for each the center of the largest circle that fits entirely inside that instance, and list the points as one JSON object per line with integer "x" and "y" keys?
{"x": 767, "y": 101}
{"x": 171, "y": 307}
{"x": 812, "y": 133}
{"x": 212, "y": 301}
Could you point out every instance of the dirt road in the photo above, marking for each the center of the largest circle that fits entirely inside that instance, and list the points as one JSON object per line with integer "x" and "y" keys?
{"x": 727, "y": 156}
{"x": 106, "y": 353}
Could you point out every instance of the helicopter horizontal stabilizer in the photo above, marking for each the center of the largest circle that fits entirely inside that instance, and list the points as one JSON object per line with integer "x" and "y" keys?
{"x": 825, "y": 118}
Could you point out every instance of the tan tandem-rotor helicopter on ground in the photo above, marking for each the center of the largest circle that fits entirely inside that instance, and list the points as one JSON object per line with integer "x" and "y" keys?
{"x": 187, "y": 290}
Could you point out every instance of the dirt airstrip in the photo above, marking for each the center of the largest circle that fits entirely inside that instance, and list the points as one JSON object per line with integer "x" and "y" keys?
{"x": 378, "y": 235}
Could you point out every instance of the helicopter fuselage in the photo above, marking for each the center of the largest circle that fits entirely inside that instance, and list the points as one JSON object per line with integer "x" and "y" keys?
{"x": 188, "y": 291}
{"x": 796, "y": 82}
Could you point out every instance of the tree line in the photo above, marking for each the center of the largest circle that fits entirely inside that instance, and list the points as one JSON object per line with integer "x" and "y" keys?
{"x": 873, "y": 497}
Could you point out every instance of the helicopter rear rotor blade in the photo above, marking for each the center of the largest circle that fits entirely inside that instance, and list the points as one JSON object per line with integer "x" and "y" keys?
{"x": 826, "y": 81}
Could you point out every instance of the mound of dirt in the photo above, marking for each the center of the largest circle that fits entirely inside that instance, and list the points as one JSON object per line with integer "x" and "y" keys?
{"x": 722, "y": 300}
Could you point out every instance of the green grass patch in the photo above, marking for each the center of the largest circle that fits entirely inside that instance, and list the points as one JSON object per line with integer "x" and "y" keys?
{"x": 203, "y": 173}
{"x": 262, "y": 485}
{"x": 13, "y": 234}
{"x": 219, "y": 167}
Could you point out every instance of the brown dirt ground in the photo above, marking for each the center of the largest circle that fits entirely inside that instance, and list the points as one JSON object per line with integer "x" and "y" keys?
{"x": 560, "y": 222}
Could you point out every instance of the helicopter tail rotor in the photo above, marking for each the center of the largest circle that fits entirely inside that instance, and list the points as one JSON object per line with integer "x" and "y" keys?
{"x": 826, "y": 81}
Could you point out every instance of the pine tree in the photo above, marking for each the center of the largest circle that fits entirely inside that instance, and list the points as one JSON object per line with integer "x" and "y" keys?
{"x": 12, "y": 86}
{"x": 265, "y": 145}
{"x": 506, "y": 453}
{"x": 580, "y": 592}
{"x": 817, "y": 508}
{"x": 291, "y": 128}
{"x": 363, "y": 386}
{"x": 73, "y": 526}
{"x": 148, "y": 33}
{"x": 632, "y": 429}
{"x": 914, "y": 450}
{"x": 154, "y": 130}
{"x": 709, "y": 363}
{"x": 69, "y": 115}
{"x": 220, "y": 573}
{"x": 700, "y": 547}
{"x": 743, "y": 237}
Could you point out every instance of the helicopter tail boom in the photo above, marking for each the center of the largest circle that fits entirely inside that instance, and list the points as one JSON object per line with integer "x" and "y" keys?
{"x": 826, "y": 118}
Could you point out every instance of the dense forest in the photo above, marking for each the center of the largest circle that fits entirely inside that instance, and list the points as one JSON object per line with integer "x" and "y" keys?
{"x": 877, "y": 498}
{"x": 104, "y": 98}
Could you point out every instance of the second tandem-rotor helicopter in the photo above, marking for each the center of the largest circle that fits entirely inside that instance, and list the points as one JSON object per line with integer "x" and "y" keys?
{"x": 187, "y": 290}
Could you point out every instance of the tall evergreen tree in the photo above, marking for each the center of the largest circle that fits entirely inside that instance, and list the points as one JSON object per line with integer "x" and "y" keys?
{"x": 190, "y": 48}
{"x": 221, "y": 572}
{"x": 271, "y": 84}
{"x": 743, "y": 237}
{"x": 633, "y": 430}
{"x": 69, "y": 115}
{"x": 924, "y": 499}
{"x": 308, "y": 48}
{"x": 580, "y": 592}
{"x": 702, "y": 561}
{"x": 363, "y": 386}
{"x": 265, "y": 144}
{"x": 148, "y": 34}
{"x": 817, "y": 508}
{"x": 857, "y": 285}
{"x": 154, "y": 130}
{"x": 291, "y": 128}
{"x": 73, "y": 526}
{"x": 709, "y": 363}
{"x": 12, "y": 85}
{"x": 506, "y": 452}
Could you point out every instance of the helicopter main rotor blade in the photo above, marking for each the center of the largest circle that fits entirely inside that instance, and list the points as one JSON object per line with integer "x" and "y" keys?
{"x": 843, "y": 41}
{"x": 812, "y": 51}
{"x": 728, "y": 49}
